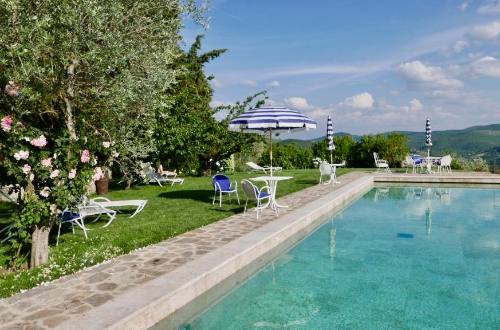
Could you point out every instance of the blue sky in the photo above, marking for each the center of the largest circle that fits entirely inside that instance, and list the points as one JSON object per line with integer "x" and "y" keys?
{"x": 374, "y": 66}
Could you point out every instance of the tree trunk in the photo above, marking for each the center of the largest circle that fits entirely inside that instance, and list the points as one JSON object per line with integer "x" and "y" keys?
{"x": 39, "y": 246}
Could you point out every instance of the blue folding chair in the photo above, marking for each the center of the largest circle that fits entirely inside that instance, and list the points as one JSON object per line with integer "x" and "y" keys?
{"x": 222, "y": 185}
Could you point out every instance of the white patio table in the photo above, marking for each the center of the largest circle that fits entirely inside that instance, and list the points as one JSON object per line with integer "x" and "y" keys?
{"x": 272, "y": 182}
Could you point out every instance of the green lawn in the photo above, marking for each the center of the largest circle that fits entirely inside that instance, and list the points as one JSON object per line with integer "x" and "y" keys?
{"x": 170, "y": 211}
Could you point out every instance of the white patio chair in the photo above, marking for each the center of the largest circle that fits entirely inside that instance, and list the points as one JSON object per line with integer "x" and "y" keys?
{"x": 326, "y": 169}
{"x": 253, "y": 192}
{"x": 381, "y": 163}
{"x": 264, "y": 169}
{"x": 444, "y": 164}
{"x": 139, "y": 204}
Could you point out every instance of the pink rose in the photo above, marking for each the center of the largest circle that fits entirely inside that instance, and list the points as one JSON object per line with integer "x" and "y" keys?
{"x": 47, "y": 162}
{"x": 26, "y": 168}
{"x": 98, "y": 174}
{"x": 85, "y": 157}
{"x": 72, "y": 174}
{"x": 22, "y": 154}
{"x": 6, "y": 123}
{"x": 39, "y": 142}
{"x": 54, "y": 174}
{"x": 45, "y": 192}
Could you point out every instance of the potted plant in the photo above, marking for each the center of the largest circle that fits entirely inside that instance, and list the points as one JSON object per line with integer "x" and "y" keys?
{"x": 102, "y": 172}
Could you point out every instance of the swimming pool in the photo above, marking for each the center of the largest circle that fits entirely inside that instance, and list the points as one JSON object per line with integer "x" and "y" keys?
{"x": 399, "y": 257}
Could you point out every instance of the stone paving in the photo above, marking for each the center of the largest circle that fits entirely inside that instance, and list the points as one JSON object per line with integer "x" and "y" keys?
{"x": 67, "y": 298}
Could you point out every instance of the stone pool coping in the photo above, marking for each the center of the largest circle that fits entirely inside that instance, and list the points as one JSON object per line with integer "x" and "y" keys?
{"x": 140, "y": 289}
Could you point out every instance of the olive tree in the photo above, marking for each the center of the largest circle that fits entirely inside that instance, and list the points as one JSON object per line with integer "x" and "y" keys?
{"x": 74, "y": 74}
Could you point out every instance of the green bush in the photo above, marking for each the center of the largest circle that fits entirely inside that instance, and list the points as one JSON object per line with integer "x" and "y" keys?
{"x": 289, "y": 156}
{"x": 343, "y": 149}
{"x": 476, "y": 164}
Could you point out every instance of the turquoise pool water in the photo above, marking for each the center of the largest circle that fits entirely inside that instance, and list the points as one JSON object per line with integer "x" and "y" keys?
{"x": 398, "y": 258}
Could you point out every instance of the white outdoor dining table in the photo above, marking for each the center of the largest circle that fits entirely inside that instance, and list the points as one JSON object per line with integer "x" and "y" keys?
{"x": 272, "y": 182}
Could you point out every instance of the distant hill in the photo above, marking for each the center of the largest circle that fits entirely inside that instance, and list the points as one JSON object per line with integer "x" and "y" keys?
{"x": 470, "y": 142}
{"x": 308, "y": 143}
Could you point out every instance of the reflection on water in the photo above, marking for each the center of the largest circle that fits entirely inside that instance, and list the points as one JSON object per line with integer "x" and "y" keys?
{"x": 417, "y": 193}
{"x": 398, "y": 258}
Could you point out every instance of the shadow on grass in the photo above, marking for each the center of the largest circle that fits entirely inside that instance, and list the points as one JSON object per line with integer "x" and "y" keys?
{"x": 197, "y": 195}
{"x": 306, "y": 181}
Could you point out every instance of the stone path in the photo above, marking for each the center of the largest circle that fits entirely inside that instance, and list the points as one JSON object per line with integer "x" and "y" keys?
{"x": 66, "y": 298}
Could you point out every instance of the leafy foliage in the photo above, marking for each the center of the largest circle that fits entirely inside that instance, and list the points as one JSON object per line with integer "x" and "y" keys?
{"x": 78, "y": 74}
{"x": 188, "y": 135}
{"x": 289, "y": 156}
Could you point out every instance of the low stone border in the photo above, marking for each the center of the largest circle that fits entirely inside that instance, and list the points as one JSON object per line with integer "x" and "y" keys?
{"x": 458, "y": 177}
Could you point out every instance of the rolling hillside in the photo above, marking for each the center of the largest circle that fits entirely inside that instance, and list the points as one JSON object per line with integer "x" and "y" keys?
{"x": 469, "y": 142}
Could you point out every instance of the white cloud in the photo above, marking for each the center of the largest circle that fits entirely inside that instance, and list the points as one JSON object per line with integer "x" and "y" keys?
{"x": 298, "y": 103}
{"x": 490, "y": 31}
{"x": 360, "y": 101}
{"x": 423, "y": 76}
{"x": 216, "y": 83}
{"x": 247, "y": 82}
{"x": 459, "y": 46}
{"x": 464, "y": 5}
{"x": 416, "y": 105}
{"x": 273, "y": 83}
{"x": 487, "y": 66}
{"x": 491, "y": 8}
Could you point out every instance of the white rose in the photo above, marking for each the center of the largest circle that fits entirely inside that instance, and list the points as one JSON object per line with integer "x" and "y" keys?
{"x": 45, "y": 192}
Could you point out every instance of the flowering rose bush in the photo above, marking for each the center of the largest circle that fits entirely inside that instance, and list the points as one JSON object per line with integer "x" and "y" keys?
{"x": 46, "y": 176}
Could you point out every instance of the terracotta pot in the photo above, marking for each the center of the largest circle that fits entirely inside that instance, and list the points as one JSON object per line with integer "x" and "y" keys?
{"x": 101, "y": 186}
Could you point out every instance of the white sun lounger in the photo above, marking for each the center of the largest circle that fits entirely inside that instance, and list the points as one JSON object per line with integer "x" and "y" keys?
{"x": 264, "y": 169}
{"x": 139, "y": 204}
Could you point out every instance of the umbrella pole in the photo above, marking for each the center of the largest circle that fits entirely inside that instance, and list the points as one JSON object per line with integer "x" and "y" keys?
{"x": 271, "y": 149}
{"x": 331, "y": 157}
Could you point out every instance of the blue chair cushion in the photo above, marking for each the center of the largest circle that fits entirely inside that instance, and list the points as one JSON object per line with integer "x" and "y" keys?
{"x": 68, "y": 216}
{"x": 222, "y": 182}
{"x": 264, "y": 194}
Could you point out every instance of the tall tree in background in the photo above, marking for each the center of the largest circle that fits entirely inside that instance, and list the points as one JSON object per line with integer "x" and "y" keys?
{"x": 181, "y": 123}
{"x": 77, "y": 73}
{"x": 188, "y": 134}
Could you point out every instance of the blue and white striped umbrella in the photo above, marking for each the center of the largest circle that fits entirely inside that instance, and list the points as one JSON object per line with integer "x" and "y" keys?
{"x": 269, "y": 119}
{"x": 428, "y": 133}
{"x": 329, "y": 133}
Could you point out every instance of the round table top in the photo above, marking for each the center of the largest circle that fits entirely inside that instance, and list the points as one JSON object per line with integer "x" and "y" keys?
{"x": 271, "y": 178}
